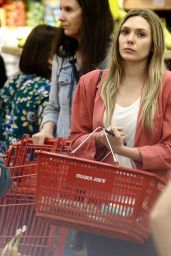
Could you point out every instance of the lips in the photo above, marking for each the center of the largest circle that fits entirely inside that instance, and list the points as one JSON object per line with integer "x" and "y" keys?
{"x": 128, "y": 49}
{"x": 64, "y": 26}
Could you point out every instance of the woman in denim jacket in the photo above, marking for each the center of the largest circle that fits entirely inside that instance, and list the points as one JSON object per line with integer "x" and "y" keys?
{"x": 85, "y": 38}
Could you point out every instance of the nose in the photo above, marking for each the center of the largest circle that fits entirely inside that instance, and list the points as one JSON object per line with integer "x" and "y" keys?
{"x": 62, "y": 16}
{"x": 130, "y": 38}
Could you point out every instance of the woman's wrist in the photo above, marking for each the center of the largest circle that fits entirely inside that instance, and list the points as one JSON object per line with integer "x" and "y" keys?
{"x": 120, "y": 150}
{"x": 48, "y": 128}
{"x": 130, "y": 152}
{"x": 99, "y": 140}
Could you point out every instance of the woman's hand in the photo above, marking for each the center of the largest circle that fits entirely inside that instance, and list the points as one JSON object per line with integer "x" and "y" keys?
{"x": 117, "y": 140}
{"x": 46, "y": 132}
{"x": 116, "y": 135}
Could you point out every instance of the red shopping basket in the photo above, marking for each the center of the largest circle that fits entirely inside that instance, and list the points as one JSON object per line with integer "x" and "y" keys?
{"x": 17, "y": 207}
{"x": 24, "y": 151}
{"x": 40, "y": 238}
{"x": 22, "y": 161}
{"x": 94, "y": 196}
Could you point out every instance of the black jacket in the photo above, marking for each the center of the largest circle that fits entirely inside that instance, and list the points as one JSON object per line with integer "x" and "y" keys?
{"x": 3, "y": 76}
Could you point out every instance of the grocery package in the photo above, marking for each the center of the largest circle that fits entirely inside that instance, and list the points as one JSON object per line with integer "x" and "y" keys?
{"x": 51, "y": 12}
{"x": 35, "y": 14}
{"x": 15, "y": 13}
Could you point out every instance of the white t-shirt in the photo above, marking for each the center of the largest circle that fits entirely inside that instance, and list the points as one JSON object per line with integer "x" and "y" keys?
{"x": 126, "y": 117}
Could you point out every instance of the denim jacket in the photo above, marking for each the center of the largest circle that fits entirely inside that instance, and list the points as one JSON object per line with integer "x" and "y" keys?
{"x": 63, "y": 85}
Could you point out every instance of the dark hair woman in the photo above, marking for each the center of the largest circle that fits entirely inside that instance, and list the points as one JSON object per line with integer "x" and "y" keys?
{"x": 85, "y": 36}
{"x": 82, "y": 46}
{"x": 24, "y": 96}
{"x": 94, "y": 36}
{"x": 36, "y": 56}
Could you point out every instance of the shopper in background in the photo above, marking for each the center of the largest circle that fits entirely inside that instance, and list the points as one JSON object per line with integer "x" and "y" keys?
{"x": 3, "y": 76}
{"x": 85, "y": 38}
{"x": 24, "y": 96}
{"x": 133, "y": 101}
{"x": 161, "y": 222}
{"x": 86, "y": 32}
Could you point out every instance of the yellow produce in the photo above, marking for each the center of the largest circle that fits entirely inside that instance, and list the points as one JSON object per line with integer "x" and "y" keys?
{"x": 22, "y": 42}
{"x": 167, "y": 34}
{"x": 117, "y": 13}
{"x": 2, "y": 17}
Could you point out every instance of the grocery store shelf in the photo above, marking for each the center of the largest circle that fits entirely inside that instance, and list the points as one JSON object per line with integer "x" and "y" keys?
{"x": 11, "y": 50}
{"x": 167, "y": 54}
{"x": 163, "y": 5}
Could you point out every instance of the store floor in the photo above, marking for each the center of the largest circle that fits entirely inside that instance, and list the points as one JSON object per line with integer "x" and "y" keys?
{"x": 69, "y": 252}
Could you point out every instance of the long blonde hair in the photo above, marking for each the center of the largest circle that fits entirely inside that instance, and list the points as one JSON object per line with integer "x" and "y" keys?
{"x": 154, "y": 74}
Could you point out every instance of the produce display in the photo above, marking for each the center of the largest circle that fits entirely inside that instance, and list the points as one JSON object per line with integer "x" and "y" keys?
{"x": 35, "y": 13}
{"x": 22, "y": 13}
{"x": 16, "y": 13}
{"x": 51, "y": 12}
{"x": 167, "y": 34}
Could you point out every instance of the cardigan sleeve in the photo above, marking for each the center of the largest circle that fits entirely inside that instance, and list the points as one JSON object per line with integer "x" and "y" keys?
{"x": 158, "y": 156}
{"x": 82, "y": 116}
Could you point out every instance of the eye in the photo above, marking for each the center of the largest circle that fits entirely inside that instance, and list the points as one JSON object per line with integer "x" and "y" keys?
{"x": 124, "y": 31}
{"x": 67, "y": 9}
{"x": 141, "y": 34}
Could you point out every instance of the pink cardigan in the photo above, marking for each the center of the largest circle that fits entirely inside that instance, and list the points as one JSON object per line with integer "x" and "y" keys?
{"x": 87, "y": 114}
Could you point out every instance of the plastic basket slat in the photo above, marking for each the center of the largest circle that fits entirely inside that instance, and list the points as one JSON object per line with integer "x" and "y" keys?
{"x": 95, "y": 197}
{"x": 17, "y": 207}
{"x": 22, "y": 161}
{"x": 39, "y": 238}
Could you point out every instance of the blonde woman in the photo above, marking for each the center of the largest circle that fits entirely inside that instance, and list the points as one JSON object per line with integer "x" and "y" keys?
{"x": 132, "y": 101}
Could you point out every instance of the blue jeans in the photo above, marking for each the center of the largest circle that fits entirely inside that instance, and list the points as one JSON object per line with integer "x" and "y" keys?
{"x": 104, "y": 246}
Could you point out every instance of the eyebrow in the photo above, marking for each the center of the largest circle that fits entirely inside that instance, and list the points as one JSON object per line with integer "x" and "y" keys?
{"x": 138, "y": 29}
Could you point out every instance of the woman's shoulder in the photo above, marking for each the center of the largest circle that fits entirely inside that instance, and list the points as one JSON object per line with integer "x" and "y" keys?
{"x": 94, "y": 75}
{"x": 38, "y": 79}
{"x": 63, "y": 60}
{"x": 37, "y": 84}
{"x": 31, "y": 82}
{"x": 167, "y": 75}
{"x": 166, "y": 84}
{"x": 91, "y": 81}
{"x": 14, "y": 78}
{"x": 167, "y": 78}
{"x": 10, "y": 87}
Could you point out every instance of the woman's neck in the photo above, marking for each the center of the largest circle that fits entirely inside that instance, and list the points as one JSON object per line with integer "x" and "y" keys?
{"x": 132, "y": 84}
{"x": 135, "y": 71}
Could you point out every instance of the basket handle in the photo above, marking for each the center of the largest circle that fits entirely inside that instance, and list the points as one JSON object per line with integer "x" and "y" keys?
{"x": 28, "y": 139}
{"x": 89, "y": 136}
